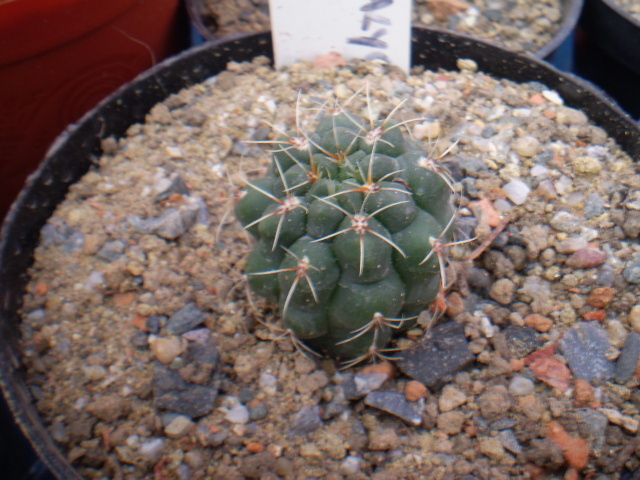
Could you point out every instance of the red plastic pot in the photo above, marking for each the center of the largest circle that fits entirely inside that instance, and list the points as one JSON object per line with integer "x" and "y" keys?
{"x": 59, "y": 58}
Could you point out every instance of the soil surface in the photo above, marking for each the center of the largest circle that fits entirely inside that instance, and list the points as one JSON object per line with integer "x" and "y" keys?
{"x": 147, "y": 359}
{"x": 519, "y": 25}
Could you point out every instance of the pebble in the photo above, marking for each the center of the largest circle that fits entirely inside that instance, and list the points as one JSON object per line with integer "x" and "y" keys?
{"x": 306, "y": 420}
{"x": 152, "y": 450}
{"x": 520, "y": 385}
{"x": 451, "y": 398}
{"x": 452, "y": 422}
{"x": 111, "y": 251}
{"x": 366, "y": 382}
{"x": 526, "y": 146}
{"x": 631, "y": 271}
{"x": 492, "y": 448}
{"x": 166, "y": 349}
{"x": 585, "y": 347}
{"x": 185, "y": 319}
{"x": 517, "y": 191}
{"x": 238, "y": 415}
{"x": 521, "y": 341}
{"x": 630, "y": 424}
{"x": 414, "y": 391}
{"x": 566, "y": 222}
{"x": 596, "y": 424}
{"x": 258, "y": 412}
{"x": 634, "y": 318}
{"x": 509, "y": 441}
{"x": 627, "y": 362}
{"x": 594, "y": 205}
{"x": 571, "y": 245}
{"x": 94, "y": 372}
{"x": 351, "y": 465}
{"x": 586, "y": 166}
{"x": 587, "y": 257}
{"x": 268, "y": 383}
{"x": 179, "y": 426}
{"x": 502, "y": 291}
{"x": 171, "y": 392}
{"x": 383, "y": 439}
{"x": 439, "y": 356}
{"x": 396, "y": 404}
{"x": 61, "y": 234}
{"x": 538, "y": 322}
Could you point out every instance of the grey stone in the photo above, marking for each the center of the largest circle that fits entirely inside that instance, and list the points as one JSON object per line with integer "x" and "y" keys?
{"x": 61, "y": 234}
{"x": 111, "y": 251}
{"x": 439, "y": 356}
{"x": 585, "y": 347}
{"x": 185, "y": 319}
{"x": 306, "y": 420}
{"x": 596, "y": 424}
{"x": 509, "y": 441}
{"x": 628, "y": 360}
{"x": 176, "y": 185}
{"x": 631, "y": 272}
{"x": 258, "y": 412}
{"x": 594, "y": 205}
{"x": 396, "y": 404}
{"x": 169, "y": 225}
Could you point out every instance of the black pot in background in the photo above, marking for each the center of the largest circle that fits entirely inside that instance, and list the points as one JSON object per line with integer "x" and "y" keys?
{"x": 558, "y": 52}
{"x": 608, "y": 52}
{"x": 74, "y": 153}
{"x": 614, "y": 30}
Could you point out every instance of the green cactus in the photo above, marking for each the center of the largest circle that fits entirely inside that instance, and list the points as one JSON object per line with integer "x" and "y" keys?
{"x": 348, "y": 221}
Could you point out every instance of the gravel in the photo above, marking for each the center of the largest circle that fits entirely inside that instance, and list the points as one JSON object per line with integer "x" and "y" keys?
{"x": 136, "y": 356}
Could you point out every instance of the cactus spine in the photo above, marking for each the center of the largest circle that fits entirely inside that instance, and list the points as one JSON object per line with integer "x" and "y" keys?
{"x": 348, "y": 221}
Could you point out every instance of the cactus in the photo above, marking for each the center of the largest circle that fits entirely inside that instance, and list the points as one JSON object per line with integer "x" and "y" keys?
{"x": 348, "y": 223}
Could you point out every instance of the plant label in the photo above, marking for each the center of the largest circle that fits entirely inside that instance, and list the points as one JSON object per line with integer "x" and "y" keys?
{"x": 370, "y": 29}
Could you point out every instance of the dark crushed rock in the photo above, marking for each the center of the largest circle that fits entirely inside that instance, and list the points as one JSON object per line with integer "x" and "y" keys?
{"x": 442, "y": 354}
{"x": 521, "y": 341}
{"x": 396, "y": 404}
{"x": 628, "y": 360}
{"x": 185, "y": 319}
{"x": 306, "y": 420}
{"x": 585, "y": 347}
{"x": 172, "y": 392}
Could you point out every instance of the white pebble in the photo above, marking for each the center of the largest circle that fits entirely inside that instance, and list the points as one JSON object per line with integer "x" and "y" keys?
{"x": 152, "y": 450}
{"x": 517, "y": 191}
{"x": 539, "y": 171}
{"x": 175, "y": 152}
{"x": 350, "y": 465}
{"x": 268, "y": 383}
{"x": 553, "y": 97}
{"x": 238, "y": 414}
{"x": 520, "y": 385}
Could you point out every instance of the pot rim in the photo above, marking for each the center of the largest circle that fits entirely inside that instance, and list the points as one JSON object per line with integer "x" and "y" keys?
{"x": 75, "y": 151}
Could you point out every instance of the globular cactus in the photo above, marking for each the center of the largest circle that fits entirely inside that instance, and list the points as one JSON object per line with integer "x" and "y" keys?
{"x": 348, "y": 221}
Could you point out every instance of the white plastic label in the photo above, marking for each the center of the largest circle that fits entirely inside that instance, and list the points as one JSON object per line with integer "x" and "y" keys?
{"x": 304, "y": 29}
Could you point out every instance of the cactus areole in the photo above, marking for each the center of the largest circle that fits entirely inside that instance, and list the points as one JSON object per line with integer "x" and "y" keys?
{"x": 348, "y": 221}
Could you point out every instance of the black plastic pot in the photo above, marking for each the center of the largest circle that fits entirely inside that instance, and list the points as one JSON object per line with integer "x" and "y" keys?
{"x": 75, "y": 152}
{"x": 614, "y": 30}
{"x": 559, "y": 51}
